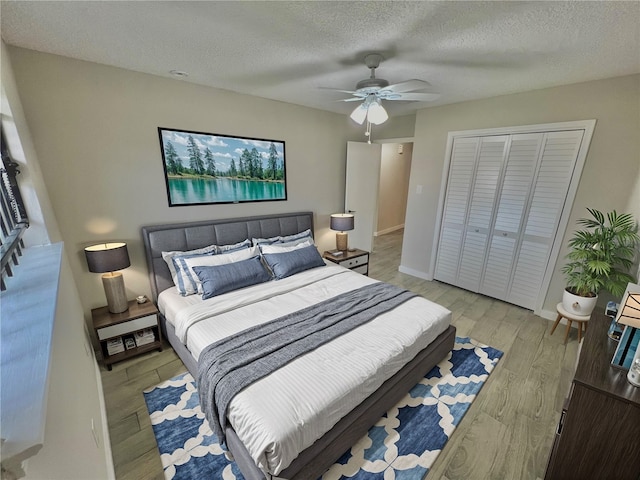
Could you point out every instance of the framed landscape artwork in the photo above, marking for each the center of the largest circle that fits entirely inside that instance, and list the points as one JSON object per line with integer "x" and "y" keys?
{"x": 204, "y": 168}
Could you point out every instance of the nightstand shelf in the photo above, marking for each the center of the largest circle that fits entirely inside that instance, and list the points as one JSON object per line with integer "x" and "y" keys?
{"x": 123, "y": 326}
{"x": 356, "y": 260}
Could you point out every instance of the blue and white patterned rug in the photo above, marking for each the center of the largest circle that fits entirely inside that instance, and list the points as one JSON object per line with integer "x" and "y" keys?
{"x": 402, "y": 445}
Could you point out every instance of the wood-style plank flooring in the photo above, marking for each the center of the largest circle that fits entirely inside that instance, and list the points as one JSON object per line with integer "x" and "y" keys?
{"x": 506, "y": 434}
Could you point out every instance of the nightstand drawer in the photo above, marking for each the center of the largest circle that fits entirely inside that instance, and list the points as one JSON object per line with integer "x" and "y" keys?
{"x": 127, "y": 327}
{"x": 354, "y": 262}
{"x": 364, "y": 269}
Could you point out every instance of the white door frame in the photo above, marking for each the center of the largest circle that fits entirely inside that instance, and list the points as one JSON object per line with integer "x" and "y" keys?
{"x": 586, "y": 125}
{"x": 380, "y": 141}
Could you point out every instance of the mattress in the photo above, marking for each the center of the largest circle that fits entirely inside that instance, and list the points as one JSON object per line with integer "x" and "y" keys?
{"x": 282, "y": 414}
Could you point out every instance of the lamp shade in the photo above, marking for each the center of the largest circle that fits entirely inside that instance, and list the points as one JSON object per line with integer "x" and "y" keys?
{"x": 341, "y": 222}
{"x": 376, "y": 113}
{"x": 630, "y": 311}
{"x": 107, "y": 257}
{"x": 372, "y": 110}
{"x": 359, "y": 114}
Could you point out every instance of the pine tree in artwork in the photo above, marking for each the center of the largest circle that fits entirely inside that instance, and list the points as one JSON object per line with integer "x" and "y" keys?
{"x": 256, "y": 161}
{"x": 210, "y": 163}
{"x": 233, "y": 172}
{"x": 173, "y": 161}
{"x": 272, "y": 162}
{"x": 195, "y": 157}
{"x": 246, "y": 164}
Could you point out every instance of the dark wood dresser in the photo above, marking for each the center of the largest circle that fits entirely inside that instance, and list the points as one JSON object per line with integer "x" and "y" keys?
{"x": 598, "y": 436}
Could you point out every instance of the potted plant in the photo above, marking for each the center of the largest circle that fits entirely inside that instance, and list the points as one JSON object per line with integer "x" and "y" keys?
{"x": 600, "y": 258}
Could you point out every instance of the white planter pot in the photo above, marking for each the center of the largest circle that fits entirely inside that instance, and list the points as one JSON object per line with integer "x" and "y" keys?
{"x": 577, "y": 304}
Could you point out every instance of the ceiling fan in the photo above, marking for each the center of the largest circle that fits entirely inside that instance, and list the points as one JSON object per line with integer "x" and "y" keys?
{"x": 372, "y": 91}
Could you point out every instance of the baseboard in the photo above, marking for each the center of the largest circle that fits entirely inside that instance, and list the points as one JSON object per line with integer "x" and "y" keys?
{"x": 548, "y": 314}
{"x": 415, "y": 273}
{"x": 388, "y": 230}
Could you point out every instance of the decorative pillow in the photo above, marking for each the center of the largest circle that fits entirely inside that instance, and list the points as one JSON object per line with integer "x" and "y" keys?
{"x": 217, "y": 280}
{"x": 265, "y": 241}
{"x": 169, "y": 256}
{"x": 235, "y": 246}
{"x": 286, "y": 247}
{"x": 297, "y": 236}
{"x": 190, "y": 283}
{"x": 288, "y": 263}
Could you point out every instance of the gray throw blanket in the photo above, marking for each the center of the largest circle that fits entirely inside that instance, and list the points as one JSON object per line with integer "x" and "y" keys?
{"x": 231, "y": 364}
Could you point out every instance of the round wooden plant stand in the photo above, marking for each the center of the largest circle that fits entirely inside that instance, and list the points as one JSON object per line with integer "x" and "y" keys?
{"x": 570, "y": 317}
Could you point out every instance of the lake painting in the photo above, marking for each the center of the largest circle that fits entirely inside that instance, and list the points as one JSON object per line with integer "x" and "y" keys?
{"x": 203, "y": 168}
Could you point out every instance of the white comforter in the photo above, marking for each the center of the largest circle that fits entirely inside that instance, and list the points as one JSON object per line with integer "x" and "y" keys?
{"x": 282, "y": 414}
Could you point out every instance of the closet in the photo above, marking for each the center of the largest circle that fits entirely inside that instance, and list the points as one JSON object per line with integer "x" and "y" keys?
{"x": 504, "y": 199}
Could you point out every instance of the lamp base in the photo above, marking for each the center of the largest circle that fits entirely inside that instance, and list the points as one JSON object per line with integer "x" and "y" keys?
{"x": 342, "y": 240}
{"x": 113, "y": 284}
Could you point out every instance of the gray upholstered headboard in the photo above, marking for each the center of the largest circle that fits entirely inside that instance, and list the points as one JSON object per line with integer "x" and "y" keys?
{"x": 192, "y": 235}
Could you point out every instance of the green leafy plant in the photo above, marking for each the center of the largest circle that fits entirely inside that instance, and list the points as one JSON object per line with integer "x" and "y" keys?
{"x": 602, "y": 254}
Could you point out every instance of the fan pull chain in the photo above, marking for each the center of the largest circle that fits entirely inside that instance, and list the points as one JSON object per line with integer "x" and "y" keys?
{"x": 368, "y": 132}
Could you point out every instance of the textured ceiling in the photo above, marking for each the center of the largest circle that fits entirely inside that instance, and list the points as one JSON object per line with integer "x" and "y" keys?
{"x": 290, "y": 51}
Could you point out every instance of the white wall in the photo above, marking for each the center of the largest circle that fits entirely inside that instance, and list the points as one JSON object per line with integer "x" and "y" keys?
{"x": 74, "y": 399}
{"x": 95, "y": 129}
{"x": 395, "y": 169}
{"x": 609, "y": 179}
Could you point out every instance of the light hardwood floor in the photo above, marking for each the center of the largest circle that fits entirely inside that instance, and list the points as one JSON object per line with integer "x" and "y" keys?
{"x": 506, "y": 434}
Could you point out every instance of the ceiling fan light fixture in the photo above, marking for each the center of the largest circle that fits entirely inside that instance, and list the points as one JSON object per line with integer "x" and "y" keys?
{"x": 376, "y": 113}
{"x": 359, "y": 113}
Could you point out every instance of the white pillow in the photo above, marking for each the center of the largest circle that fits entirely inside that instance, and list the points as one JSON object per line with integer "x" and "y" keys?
{"x": 286, "y": 247}
{"x": 265, "y": 241}
{"x": 192, "y": 283}
{"x": 234, "y": 246}
{"x": 169, "y": 256}
{"x": 297, "y": 236}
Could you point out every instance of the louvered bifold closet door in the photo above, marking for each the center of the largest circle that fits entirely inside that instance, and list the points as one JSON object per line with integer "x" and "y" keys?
{"x": 503, "y": 204}
{"x": 519, "y": 172}
{"x": 461, "y": 173}
{"x": 489, "y": 165}
{"x": 551, "y": 185}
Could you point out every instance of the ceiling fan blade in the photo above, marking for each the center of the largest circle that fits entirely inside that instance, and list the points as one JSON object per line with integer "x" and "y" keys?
{"x": 354, "y": 99}
{"x": 413, "y": 97}
{"x": 407, "y": 86}
{"x": 337, "y": 90}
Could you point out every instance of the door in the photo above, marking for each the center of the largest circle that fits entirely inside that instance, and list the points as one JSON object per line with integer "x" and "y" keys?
{"x": 361, "y": 191}
{"x": 504, "y": 200}
{"x": 515, "y": 192}
{"x": 488, "y": 169}
{"x": 549, "y": 196}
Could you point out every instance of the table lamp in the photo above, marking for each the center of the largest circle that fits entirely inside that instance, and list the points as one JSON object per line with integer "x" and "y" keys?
{"x": 341, "y": 222}
{"x": 630, "y": 311}
{"x": 106, "y": 258}
{"x": 628, "y": 315}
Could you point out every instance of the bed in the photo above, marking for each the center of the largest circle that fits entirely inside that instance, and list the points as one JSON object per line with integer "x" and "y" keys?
{"x": 320, "y": 441}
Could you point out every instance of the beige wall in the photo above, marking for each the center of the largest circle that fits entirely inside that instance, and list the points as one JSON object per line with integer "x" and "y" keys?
{"x": 395, "y": 169}
{"x": 95, "y": 130}
{"x": 74, "y": 400}
{"x": 609, "y": 179}
{"x": 399, "y": 128}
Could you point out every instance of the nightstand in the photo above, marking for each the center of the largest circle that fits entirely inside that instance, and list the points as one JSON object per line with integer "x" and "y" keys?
{"x": 356, "y": 260}
{"x": 127, "y": 334}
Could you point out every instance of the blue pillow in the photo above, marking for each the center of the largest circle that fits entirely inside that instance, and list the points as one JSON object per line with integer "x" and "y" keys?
{"x": 220, "y": 279}
{"x": 288, "y": 263}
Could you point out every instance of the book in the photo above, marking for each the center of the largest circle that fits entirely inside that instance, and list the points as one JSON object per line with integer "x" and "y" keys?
{"x": 115, "y": 345}
{"x": 144, "y": 337}
{"x": 129, "y": 343}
